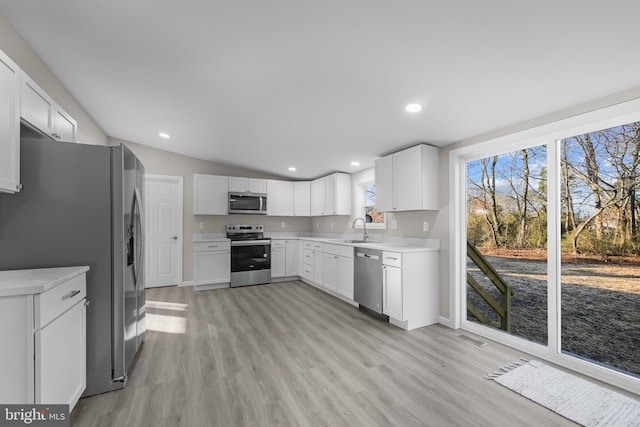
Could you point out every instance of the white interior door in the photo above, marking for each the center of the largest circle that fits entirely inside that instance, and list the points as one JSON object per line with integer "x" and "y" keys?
{"x": 163, "y": 205}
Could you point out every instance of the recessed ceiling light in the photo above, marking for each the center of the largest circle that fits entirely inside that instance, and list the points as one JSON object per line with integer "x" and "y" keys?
{"x": 292, "y": 169}
{"x": 355, "y": 163}
{"x": 164, "y": 135}
{"x": 413, "y": 108}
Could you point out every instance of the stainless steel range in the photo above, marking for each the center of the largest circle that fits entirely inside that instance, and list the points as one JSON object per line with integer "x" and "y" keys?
{"x": 250, "y": 255}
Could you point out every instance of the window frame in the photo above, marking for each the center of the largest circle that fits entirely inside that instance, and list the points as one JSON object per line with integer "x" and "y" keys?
{"x": 368, "y": 177}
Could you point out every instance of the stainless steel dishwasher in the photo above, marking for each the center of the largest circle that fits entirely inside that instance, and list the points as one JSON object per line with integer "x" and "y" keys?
{"x": 368, "y": 278}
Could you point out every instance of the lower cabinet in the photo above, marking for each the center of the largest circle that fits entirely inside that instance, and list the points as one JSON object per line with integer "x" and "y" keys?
{"x": 291, "y": 255}
{"x": 60, "y": 362}
{"x": 392, "y": 289}
{"x": 211, "y": 262}
{"x": 338, "y": 269}
{"x": 43, "y": 357}
{"x": 278, "y": 258}
{"x": 410, "y": 286}
{"x": 318, "y": 269}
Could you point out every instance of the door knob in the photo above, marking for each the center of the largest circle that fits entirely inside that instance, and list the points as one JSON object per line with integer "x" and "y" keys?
{"x": 175, "y": 237}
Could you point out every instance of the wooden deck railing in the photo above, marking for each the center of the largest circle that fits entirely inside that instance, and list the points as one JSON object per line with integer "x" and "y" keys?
{"x": 502, "y": 308}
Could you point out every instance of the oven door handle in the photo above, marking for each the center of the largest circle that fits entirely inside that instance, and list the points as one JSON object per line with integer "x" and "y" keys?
{"x": 250, "y": 242}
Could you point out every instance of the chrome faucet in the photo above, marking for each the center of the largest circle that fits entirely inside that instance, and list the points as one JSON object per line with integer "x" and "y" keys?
{"x": 365, "y": 236}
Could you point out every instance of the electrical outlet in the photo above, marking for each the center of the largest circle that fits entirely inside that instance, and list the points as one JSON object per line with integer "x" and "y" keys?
{"x": 201, "y": 226}
{"x": 394, "y": 225}
{"x": 282, "y": 224}
{"x": 332, "y": 226}
{"x": 425, "y": 226}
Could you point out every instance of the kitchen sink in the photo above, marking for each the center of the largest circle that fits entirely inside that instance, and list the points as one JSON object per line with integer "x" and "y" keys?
{"x": 351, "y": 241}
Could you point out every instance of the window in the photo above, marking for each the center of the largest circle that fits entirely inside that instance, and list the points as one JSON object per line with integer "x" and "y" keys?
{"x": 365, "y": 202}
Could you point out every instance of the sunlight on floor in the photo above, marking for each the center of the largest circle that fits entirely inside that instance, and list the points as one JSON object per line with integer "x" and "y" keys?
{"x": 167, "y": 323}
{"x": 167, "y": 305}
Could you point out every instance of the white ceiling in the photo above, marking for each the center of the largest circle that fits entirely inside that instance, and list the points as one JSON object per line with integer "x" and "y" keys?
{"x": 268, "y": 84}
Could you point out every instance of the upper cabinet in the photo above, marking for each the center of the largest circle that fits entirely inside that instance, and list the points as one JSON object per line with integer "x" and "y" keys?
{"x": 279, "y": 198}
{"x": 331, "y": 195}
{"x": 287, "y": 198}
{"x": 302, "y": 198}
{"x": 210, "y": 194}
{"x": 39, "y": 111}
{"x": 247, "y": 185}
{"x": 9, "y": 125}
{"x": 408, "y": 180}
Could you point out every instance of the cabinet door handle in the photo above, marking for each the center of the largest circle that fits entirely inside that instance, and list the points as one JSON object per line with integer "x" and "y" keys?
{"x": 70, "y": 295}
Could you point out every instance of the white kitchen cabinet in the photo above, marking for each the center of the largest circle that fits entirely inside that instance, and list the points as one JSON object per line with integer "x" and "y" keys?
{"x": 307, "y": 270}
{"x": 392, "y": 289}
{"x": 338, "y": 269}
{"x": 344, "y": 279}
{"x": 60, "y": 349}
{"x": 41, "y": 112}
{"x": 210, "y": 194}
{"x": 9, "y": 125}
{"x": 411, "y": 288}
{"x": 318, "y": 262}
{"x": 247, "y": 185}
{"x": 331, "y": 195}
{"x": 280, "y": 198}
{"x": 408, "y": 180}
{"x": 278, "y": 258}
{"x": 64, "y": 125}
{"x": 292, "y": 256}
{"x": 317, "y": 197}
{"x": 330, "y": 266}
{"x": 43, "y": 335}
{"x": 302, "y": 198}
{"x": 211, "y": 262}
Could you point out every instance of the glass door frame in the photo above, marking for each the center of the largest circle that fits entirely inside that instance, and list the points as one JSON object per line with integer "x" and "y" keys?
{"x": 549, "y": 134}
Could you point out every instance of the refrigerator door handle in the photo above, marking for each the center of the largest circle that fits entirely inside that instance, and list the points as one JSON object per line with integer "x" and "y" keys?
{"x": 138, "y": 236}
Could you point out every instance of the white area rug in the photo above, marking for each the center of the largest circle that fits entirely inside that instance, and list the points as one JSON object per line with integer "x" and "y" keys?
{"x": 573, "y": 397}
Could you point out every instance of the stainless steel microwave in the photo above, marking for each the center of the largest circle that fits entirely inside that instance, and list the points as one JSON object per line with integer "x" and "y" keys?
{"x": 248, "y": 203}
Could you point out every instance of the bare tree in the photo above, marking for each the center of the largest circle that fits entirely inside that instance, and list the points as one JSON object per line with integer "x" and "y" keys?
{"x": 522, "y": 229}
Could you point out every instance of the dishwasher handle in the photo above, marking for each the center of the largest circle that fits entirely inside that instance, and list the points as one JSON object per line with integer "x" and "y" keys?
{"x": 365, "y": 255}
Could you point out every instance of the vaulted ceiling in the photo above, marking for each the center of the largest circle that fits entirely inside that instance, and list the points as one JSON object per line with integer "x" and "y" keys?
{"x": 269, "y": 84}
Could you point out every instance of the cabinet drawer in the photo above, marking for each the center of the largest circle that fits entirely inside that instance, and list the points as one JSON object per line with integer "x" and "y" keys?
{"x": 392, "y": 258}
{"x": 56, "y": 301}
{"x": 307, "y": 256}
{"x": 278, "y": 244}
{"x": 211, "y": 246}
{"x": 307, "y": 272}
{"x": 340, "y": 250}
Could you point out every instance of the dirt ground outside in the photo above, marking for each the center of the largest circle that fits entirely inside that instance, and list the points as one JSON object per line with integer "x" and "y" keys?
{"x": 600, "y": 304}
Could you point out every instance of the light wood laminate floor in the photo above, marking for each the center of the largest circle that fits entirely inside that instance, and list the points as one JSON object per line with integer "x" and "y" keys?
{"x": 287, "y": 354}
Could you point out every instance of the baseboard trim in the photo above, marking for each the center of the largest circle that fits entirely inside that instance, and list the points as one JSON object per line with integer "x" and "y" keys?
{"x": 445, "y": 321}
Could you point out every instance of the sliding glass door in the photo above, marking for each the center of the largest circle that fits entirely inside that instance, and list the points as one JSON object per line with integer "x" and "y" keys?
{"x": 548, "y": 260}
{"x": 506, "y": 217}
{"x": 600, "y": 223}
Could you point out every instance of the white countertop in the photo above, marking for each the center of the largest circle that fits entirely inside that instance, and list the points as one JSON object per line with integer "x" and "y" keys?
{"x": 36, "y": 281}
{"x": 396, "y": 245}
{"x": 209, "y": 237}
{"x": 383, "y": 246}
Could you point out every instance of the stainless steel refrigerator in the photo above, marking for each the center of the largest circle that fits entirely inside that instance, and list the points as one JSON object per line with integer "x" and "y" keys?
{"x": 82, "y": 205}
